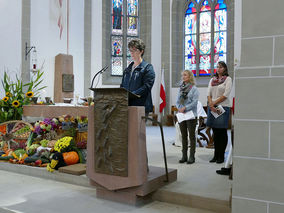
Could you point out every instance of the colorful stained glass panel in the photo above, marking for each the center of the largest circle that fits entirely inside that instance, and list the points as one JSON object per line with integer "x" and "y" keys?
{"x": 117, "y": 22}
{"x": 204, "y": 65}
{"x": 205, "y": 43}
{"x": 128, "y": 40}
{"x": 116, "y": 43}
{"x": 116, "y": 66}
{"x": 190, "y": 45}
{"x": 132, "y": 7}
{"x": 191, "y": 9}
{"x": 220, "y": 5}
{"x": 220, "y": 20}
{"x": 205, "y": 6}
{"x": 117, "y": 8}
{"x": 117, "y": 12}
{"x": 132, "y": 28}
{"x": 190, "y": 24}
{"x": 190, "y": 63}
{"x": 205, "y": 22}
{"x": 220, "y": 42}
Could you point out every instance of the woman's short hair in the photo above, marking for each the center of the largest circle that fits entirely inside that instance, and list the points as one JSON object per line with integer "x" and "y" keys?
{"x": 223, "y": 64}
{"x": 191, "y": 76}
{"x": 138, "y": 44}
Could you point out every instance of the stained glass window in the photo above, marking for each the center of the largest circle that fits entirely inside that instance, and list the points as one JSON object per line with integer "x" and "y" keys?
{"x": 190, "y": 38}
{"x": 129, "y": 21}
{"x": 125, "y": 27}
{"x": 204, "y": 42}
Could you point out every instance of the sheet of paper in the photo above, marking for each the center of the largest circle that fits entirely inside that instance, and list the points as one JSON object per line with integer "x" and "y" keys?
{"x": 185, "y": 116}
{"x": 220, "y": 111}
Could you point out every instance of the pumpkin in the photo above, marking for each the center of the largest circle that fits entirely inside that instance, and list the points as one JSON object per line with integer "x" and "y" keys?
{"x": 71, "y": 158}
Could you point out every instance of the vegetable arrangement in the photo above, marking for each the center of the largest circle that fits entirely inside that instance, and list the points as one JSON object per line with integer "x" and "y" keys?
{"x": 41, "y": 145}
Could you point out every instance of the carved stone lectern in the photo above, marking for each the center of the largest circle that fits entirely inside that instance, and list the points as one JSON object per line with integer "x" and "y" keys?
{"x": 116, "y": 148}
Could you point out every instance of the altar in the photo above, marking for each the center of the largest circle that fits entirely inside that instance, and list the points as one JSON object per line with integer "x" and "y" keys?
{"x": 33, "y": 113}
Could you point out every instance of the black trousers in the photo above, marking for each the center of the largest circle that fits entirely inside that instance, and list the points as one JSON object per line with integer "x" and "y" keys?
{"x": 220, "y": 138}
{"x": 185, "y": 127}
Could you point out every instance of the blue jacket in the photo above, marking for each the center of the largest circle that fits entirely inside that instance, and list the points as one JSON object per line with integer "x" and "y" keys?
{"x": 141, "y": 83}
{"x": 190, "y": 103}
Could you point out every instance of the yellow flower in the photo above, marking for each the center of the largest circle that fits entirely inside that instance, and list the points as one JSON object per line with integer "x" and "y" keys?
{"x": 16, "y": 103}
{"x": 8, "y": 94}
{"x": 29, "y": 94}
{"x": 5, "y": 99}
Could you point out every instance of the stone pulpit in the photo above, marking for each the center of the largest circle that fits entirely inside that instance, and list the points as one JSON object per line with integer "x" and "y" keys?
{"x": 116, "y": 148}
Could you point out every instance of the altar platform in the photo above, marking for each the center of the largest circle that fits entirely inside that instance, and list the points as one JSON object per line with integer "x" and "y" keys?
{"x": 197, "y": 186}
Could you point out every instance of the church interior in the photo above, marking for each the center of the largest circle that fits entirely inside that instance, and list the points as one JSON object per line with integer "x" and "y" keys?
{"x": 58, "y": 55}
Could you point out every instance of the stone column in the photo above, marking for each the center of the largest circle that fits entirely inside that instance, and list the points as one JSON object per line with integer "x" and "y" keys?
{"x": 26, "y": 35}
{"x": 258, "y": 162}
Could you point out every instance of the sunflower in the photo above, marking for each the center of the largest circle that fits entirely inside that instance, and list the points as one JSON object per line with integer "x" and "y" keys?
{"x": 8, "y": 94}
{"x": 5, "y": 98}
{"x": 29, "y": 94}
{"x": 16, "y": 103}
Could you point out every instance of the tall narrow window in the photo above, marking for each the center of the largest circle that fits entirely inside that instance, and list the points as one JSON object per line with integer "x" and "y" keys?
{"x": 205, "y": 36}
{"x": 124, "y": 28}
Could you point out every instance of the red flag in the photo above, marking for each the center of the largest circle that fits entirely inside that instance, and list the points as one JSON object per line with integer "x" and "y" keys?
{"x": 162, "y": 92}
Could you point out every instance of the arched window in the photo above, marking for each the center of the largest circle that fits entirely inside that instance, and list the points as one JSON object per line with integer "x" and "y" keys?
{"x": 205, "y": 36}
{"x": 125, "y": 26}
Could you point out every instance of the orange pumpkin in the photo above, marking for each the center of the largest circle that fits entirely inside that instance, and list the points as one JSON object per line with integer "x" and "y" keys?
{"x": 70, "y": 158}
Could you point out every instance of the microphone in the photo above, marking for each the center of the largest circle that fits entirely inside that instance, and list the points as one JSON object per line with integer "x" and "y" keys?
{"x": 101, "y": 71}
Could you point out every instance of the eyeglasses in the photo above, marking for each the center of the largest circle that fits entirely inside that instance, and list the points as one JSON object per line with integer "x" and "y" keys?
{"x": 133, "y": 50}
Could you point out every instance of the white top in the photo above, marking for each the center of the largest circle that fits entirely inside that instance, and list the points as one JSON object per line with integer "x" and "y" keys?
{"x": 223, "y": 89}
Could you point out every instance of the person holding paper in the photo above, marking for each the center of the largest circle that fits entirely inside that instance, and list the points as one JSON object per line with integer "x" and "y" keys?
{"x": 219, "y": 89}
{"x": 139, "y": 76}
{"x": 186, "y": 104}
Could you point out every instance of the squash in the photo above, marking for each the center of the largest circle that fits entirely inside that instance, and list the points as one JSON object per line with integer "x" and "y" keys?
{"x": 71, "y": 158}
{"x": 6, "y": 157}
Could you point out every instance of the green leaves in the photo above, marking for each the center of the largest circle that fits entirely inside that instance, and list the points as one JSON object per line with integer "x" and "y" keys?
{"x": 16, "y": 92}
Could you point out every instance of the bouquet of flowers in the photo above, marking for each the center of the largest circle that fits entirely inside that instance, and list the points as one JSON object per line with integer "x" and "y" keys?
{"x": 11, "y": 105}
{"x": 48, "y": 124}
{"x": 64, "y": 144}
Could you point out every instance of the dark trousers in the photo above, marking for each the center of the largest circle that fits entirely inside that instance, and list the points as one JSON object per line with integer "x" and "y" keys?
{"x": 185, "y": 127}
{"x": 220, "y": 138}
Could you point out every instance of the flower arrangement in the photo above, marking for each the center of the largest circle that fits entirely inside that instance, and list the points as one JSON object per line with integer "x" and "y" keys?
{"x": 11, "y": 105}
{"x": 82, "y": 119}
{"x": 82, "y": 123}
{"x": 67, "y": 121}
{"x": 48, "y": 124}
{"x": 66, "y": 118}
{"x": 64, "y": 144}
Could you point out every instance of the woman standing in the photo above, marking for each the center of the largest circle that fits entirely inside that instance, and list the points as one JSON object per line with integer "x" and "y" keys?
{"x": 219, "y": 89}
{"x": 187, "y": 101}
{"x": 139, "y": 76}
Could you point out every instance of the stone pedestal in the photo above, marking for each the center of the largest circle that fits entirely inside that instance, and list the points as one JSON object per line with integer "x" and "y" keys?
{"x": 63, "y": 78}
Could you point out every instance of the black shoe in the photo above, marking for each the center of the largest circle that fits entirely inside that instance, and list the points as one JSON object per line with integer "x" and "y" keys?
{"x": 213, "y": 160}
{"x": 224, "y": 171}
{"x": 183, "y": 160}
{"x": 190, "y": 160}
{"x": 220, "y": 161}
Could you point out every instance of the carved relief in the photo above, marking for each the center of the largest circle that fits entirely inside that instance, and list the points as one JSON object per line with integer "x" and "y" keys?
{"x": 111, "y": 132}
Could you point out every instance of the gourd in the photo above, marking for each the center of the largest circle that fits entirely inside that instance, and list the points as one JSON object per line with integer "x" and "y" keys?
{"x": 70, "y": 157}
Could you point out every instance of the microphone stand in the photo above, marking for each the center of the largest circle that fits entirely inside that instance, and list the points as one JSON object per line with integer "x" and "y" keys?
{"x": 101, "y": 71}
